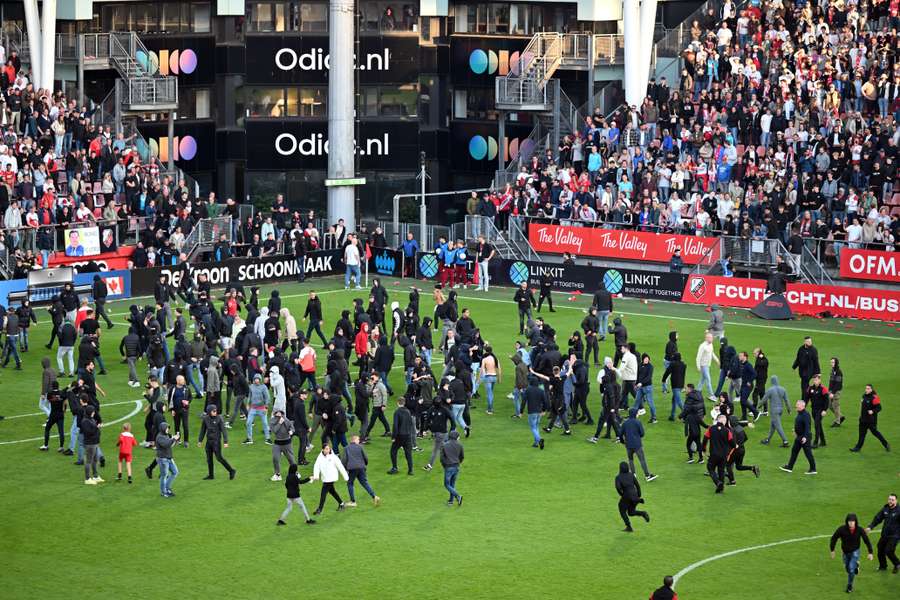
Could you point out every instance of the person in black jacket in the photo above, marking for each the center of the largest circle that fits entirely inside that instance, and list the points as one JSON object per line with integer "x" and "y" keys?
{"x": 889, "y": 516}
{"x": 692, "y": 414}
{"x": 130, "y": 349}
{"x": 727, "y": 358}
{"x": 57, "y": 314}
{"x": 100, "y": 292}
{"x": 806, "y": 363}
{"x": 611, "y": 395}
{"x": 629, "y": 490}
{"x": 835, "y": 385}
{"x": 56, "y": 417}
{"x": 802, "y": 439}
{"x": 536, "y": 404}
{"x": 620, "y": 336}
{"x": 212, "y": 426}
{"x": 524, "y": 300}
{"x": 868, "y": 419}
{"x": 676, "y": 369}
{"x": 720, "y": 441}
{"x": 90, "y": 429}
{"x": 438, "y": 418}
{"x": 546, "y": 293}
{"x": 292, "y": 484}
{"x": 666, "y": 591}
{"x": 590, "y": 325}
{"x": 850, "y": 534}
{"x": 603, "y": 302}
{"x": 314, "y": 314}
{"x": 404, "y": 431}
{"x": 761, "y": 367}
{"x": 736, "y": 456}
{"x": 671, "y": 349}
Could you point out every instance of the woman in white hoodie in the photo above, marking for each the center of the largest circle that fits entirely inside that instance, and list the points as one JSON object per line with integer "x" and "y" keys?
{"x": 329, "y": 469}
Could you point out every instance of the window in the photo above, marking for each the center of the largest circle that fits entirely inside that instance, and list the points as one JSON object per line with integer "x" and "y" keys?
{"x": 307, "y": 102}
{"x": 202, "y": 104}
{"x": 194, "y": 103}
{"x": 389, "y": 101}
{"x": 368, "y": 101}
{"x": 200, "y": 18}
{"x": 499, "y": 19}
{"x": 173, "y": 17}
{"x": 313, "y": 17}
{"x": 260, "y": 102}
{"x": 262, "y": 17}
{"x": 474, "y": 103}
{"x": 145, "y": 18}
{"x": 386, "y": 17}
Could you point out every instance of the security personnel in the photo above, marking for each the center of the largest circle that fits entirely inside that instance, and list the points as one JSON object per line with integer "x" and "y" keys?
{"x": 889, "y": 515}
{"x": 868, "y": 419}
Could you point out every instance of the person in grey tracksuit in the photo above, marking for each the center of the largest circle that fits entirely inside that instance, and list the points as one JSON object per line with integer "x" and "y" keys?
{"x": 214, "y": 382}
{"x": 716, "y": 325}
{"x": 282, "y": 430}
{"x": 777, "y": 400}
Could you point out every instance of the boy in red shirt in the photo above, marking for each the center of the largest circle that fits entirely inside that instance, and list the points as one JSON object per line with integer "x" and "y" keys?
{"x": 126, "y": 445}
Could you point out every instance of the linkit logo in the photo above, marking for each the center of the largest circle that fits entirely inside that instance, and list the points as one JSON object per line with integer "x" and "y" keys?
{"x": 315, "y": 144}
{"x": 317, "y": 59}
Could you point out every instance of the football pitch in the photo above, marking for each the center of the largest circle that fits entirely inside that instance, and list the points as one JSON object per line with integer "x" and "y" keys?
{"x": 534, "y": 523}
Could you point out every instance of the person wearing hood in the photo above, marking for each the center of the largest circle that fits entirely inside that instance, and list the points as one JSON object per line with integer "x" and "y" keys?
{"x": 720, "y": 441}
{"x": 671, "y": 349}
{"x": 692, "y": 414}
{"x": 361, "y": 348}
{"x": 313, "y": 312}
{"x": 130, "y": 349}
{"x": 214, "y": 382}
{"x": 424, "y": 340}
{"x": 212, "y": 427}
{"x": 620, "y": 337}
{"x": 676, "y": 369}
{"x": 356, "y": 462}
{"x": 398, "y": 321}
{"x": 735, "y": 459}
{"x": 89, "y": 426}
{"x": 259, "y": 407}
{"x": 644, "y": 387}
{"x": 48, "y": 378}
{"x": 716, "y": 325}
{"x": 611, "y": 394}
{"x": 383, "y": 361}
{"x": 536, "y": 404}
{"x": 276, "y": 380}
{"x": 868, "y": 419}
{"x": 850, "y": 534}
{"x": 524, "y": 299}
{"x": 307, "y": 358}
{"x": 283, "y": 431}
{"x": 168, "y": 470}
{"x": 629, "y": 490}
{"x": 727, "y": 360}
{"x": 292, "y": 484}
{"x": 56, "y": 406}
{"x": 290, "y": 328}
{"x": 761, "y": 367}
{"x": 776, "y": 399}
{"x": 590, "y": 325}
{"x": 632, "y": 434}
{"x": 835, "y": 385}
{"x": 452, "y": 456}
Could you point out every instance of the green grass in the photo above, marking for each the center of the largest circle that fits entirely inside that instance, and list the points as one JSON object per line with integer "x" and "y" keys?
{"x": 533, "y": 523}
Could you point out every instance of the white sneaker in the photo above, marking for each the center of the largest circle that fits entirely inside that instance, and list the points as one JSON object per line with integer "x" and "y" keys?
{"x": 43, "y": 448}
{"x": 510, "y": 396}
{"x": 642, "y": 412}
{"x": 99, "y": 479}
{"x": 309, "y": 447}
{"x": 90, "y": 482}
{"x": 275, "y": 478}
{"x": 353, "y": 504}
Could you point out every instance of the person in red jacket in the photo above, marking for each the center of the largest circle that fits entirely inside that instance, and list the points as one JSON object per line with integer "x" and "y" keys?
{"x": 361, "y": 347}
{"x": 666, "y": 591}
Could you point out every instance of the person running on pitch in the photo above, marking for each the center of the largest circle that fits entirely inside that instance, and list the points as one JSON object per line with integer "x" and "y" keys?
{"x": 850, "y": 534}
{"x": 802, "y": 440}
{"x": 868, "y": 419}
{"x": 736, "y": 456}
{"x": 692, "y": 414}
{"x": 720, "y": 440}
{"x": 629, "y": 489}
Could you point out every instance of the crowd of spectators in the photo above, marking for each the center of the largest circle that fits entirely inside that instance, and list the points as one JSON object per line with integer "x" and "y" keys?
{"x": 784, "y": 122}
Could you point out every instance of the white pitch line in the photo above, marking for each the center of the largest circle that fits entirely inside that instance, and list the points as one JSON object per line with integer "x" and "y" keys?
{"x": 137, "y": 408}
{"x": 705, "y": 561}
{"x": 40, "y": 413}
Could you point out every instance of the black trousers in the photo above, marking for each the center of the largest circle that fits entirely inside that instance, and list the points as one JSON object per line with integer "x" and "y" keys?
{"x": 101, "y": 311}
{"x": 317, "y": 327}
{"x": 58, "y": 421}
{"x": 216, "y": 399}
{"x": 591, "y": 344}
{"x": 716, "y": 467}
{"x": 581, "y": 395}
{"x": 628, "y": 508}
{"x": 693, "y": 441}
{"x": 804, "y": 386}
{"x": 736, "y": 461}
{"x": 546, "y": 297}
{"x": 865, "y": 428}
{"x": 795, "y": 452}
{"x": 817, "y": 426}
{"x": 377, "y": 415}
{"x": 181, "y": 422}
{"x": 627, "y": 388}
{"x": 215, "y": 449}
{"x": 887, "y": 549}
{"x": 54, "y": 333}
{"x": 522, "y": 316}
{"x": 611, "y": 420}
{"x": 558, "y": 413}
{"x": 328, "y": 488}
{"x": 405, "y": 442}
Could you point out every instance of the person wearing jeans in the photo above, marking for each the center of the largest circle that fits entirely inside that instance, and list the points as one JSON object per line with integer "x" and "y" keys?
{"x": 452, "y": 456}
{"x": 850, "y": 534}
{"x": 632, "y": 433}
{"x": 490, "y": 371}
{"x": 536, "y": 404}
{"x": 168, "y": 470}
{"x": 675, "y": 369}
{"x": 644, "y": 386}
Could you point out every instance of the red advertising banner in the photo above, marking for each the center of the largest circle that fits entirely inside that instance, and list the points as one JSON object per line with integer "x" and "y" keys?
{"x": 618, "y": 243}
{"x": 109, "y": 261}
{"x": 870, "y": 264}
{"x": 804, "y": 299}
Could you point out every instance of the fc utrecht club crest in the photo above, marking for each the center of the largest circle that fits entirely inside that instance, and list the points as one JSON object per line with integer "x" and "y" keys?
{"x": 698, "y": 287}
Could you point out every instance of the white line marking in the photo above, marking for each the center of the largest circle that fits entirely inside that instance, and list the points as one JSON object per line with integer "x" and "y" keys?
{"x": 137, "y": 408}
{"x": 700, "y": 563}
{"x": 40, "y": 413}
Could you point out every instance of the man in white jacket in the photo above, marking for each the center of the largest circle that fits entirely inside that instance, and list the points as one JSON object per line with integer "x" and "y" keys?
{"x": 705, "y": 355}
{"x": 329, "y": 469}
{"x": 627, "y": 371}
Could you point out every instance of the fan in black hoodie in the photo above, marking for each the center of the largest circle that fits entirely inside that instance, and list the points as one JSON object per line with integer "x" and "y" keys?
{"x": 629, "y": 496}
{"x": 669, "y": 356}
{"x": 676, "y": 369}
{"x": 850, "y": 534}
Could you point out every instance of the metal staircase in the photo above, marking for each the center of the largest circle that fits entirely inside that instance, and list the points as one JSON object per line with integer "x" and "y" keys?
{"x": 510, "y": 245}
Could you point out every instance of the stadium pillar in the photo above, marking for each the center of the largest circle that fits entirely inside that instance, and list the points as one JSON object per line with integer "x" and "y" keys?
{"x": 171, "y": 135}
{"x": 631, "y": 17}
{"x": 341, "y": 112}
{"x": 48, "y": 44}
{"x": 33, "y": 29}
{"x": 648, "y": 26}
{"x": 590, "y": 82}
